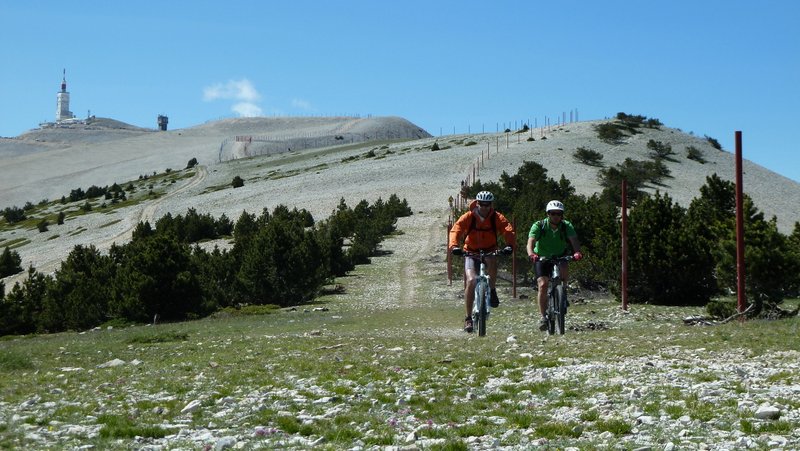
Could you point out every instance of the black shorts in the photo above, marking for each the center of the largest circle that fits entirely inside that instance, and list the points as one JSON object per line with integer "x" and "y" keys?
{"x": 545, "y": 268}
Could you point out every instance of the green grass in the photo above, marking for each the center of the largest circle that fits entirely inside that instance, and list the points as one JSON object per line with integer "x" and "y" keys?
{"x": 115, "y": 426}
{"x": 392, "y": 370}
{"x": 774, "y": 427}
{"x": 14, "y": 361}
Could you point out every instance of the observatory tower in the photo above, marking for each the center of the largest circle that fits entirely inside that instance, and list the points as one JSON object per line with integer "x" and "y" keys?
{"x": 62, "y": 102}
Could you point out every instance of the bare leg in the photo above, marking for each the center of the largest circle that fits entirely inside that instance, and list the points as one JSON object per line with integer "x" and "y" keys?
{"x": 542, "y": 283}
{"x": 469, "y": 291}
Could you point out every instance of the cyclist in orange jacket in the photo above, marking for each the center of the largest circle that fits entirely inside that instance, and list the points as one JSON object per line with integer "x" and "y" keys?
{"x": 479, "y": 228}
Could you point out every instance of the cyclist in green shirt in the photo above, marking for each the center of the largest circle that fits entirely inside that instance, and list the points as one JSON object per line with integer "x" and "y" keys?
{"x": 549, "y": 238}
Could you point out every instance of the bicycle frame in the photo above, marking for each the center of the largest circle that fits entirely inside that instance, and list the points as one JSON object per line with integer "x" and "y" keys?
{"x": 481, "y": 306}
{"x": 556, "y": 297}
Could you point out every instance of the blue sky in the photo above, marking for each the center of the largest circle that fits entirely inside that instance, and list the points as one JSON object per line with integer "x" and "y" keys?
{"x": 706, "y": 67}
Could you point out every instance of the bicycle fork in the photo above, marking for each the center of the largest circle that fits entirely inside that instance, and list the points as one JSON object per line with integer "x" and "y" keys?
{"x": 483, "y": 278}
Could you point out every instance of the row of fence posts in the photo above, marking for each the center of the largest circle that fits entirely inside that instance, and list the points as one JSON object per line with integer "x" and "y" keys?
{"x": 460, "y": 204}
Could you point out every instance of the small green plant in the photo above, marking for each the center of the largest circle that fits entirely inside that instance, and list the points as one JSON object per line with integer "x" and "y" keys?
{"x": 554, "y": 430}
{"x": 774, "y": 427}
{"x": 693, "y": 153}
{"x": 615, "y": 426}
{"x": 435, "y": 146}
{"x": 588, "y": 156}
{"x": 13, "y": 215}
{"x": 116, "y": 426}
{"x": 609, "y": 132}
{"x": 42, "y": 225}
{"x": 237, "y": 182}
{"x": 721, "y": 308}
{"x": 660, "y": 150}
{"x": 714, "y": 143}
{"x": 590, "y": 415}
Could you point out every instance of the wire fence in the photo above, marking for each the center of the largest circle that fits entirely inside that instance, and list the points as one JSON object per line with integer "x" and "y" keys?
{"x": 245, "y": 146}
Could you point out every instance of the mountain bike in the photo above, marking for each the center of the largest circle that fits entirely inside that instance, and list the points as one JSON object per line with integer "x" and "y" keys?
{"x": 483, "y": 290}
{"x": 556, "y": 297}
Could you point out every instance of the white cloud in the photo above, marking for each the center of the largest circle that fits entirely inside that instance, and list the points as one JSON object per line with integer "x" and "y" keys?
{"x": 246, "y": 109}
{"x": 242, "y": 91}
{"x": 232, "y": 90}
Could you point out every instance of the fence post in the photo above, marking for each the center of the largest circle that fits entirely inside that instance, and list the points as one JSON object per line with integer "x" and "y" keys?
{"x": 449, "y": 255}
{"x": 740, "y": 269}
{"x": 624, "y": 234}
{"x": 514, "y": 260}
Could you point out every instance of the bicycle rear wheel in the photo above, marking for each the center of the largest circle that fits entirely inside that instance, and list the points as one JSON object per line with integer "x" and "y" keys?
{"x": 560, "y": 308}
{"x": 481, "y": 312}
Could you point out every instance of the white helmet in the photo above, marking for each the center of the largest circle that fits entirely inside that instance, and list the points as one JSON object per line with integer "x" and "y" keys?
{"x": 554, "y": 205}
{"x": 485, "y": 196}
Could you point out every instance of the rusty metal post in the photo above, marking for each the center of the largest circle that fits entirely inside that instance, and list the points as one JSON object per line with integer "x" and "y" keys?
{"x": 624, "y": 234}
{"x": 449, "y": 255}
{"x": 740, "y": 269}
{"x": 514, "y": 260}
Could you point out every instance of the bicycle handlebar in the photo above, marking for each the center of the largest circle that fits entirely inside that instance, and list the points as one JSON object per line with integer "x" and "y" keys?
{"x": 564, "y": 258}
{"x": 480, "y": 254}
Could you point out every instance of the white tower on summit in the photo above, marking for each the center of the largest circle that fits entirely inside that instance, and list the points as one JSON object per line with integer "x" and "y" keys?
{"x": 62, "y": 102}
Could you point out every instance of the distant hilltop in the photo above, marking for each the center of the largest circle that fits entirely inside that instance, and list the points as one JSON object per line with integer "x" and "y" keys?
{"x": 48, "y": 161}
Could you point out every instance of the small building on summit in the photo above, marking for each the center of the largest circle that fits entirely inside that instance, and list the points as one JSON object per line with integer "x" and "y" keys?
{"x": 62, "y": 101}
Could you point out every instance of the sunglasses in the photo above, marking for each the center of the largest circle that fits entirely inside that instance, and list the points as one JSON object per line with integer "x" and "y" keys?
{"x": 555, "y": 213}
{"x": 485, "y": 204}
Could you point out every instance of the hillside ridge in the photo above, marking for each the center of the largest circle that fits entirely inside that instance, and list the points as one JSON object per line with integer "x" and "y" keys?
{"x": 318, "y": 179}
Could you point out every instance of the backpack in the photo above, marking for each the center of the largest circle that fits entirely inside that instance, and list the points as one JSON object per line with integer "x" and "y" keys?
{"x": 562, "y": 227}
{"x": 494, "y": 223}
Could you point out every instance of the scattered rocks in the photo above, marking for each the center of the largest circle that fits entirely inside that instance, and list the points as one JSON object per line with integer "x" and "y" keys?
{"x": 112, "y": 363}
{"x": 767, "y": 412}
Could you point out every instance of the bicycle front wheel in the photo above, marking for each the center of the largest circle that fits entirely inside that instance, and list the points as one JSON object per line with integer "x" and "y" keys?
{"x": 552, "y": 310}
{"x": 481, "y": 311}
{"x": 561, "y": 310}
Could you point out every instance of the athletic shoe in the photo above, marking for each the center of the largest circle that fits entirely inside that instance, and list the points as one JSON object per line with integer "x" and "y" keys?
{"x": 543, "y": 324}
{"x": 468, "y": 325}
{"x": 494, "y": 301}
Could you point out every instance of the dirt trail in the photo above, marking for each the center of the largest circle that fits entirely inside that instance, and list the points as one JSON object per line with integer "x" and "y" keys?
{"x": 421, "y": 245}
{"x": 49, "y": 260}
{"x": 147, "y": 213}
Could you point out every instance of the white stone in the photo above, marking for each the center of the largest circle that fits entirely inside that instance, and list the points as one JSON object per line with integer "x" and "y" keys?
{"x": 112, "y": 363}
{"x": 191, "y": 407}
{"x": 225, "y": 443}
{"x": 768, "y": 413}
